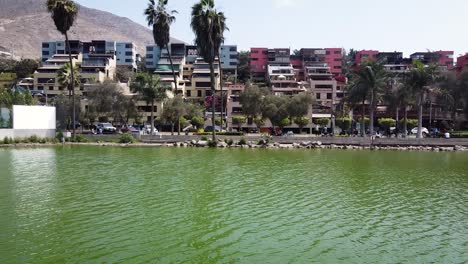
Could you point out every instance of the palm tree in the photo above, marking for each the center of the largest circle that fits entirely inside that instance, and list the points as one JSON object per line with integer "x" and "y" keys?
{"x": 150, "y": 89}
{"x": 419, "y": 80}
{"x": 161, "y": 19}
{"x": 64, "y": 13}
{"x": 368, "y": 84}
{"x": 64, "y": 76}
{"x": 451, "y": 91}
{"x": 209, "y": 25}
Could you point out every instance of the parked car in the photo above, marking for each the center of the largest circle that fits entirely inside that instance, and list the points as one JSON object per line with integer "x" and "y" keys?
{"x": 424, "y": 131}
{"x": 210, "y": 129}
{"x": 147, "y": 130}
{"x": 105, "y": 128}
{"x": 129, "y": 129}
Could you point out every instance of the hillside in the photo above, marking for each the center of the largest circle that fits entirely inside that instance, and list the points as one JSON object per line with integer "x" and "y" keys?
{"x": 25, "y": 24}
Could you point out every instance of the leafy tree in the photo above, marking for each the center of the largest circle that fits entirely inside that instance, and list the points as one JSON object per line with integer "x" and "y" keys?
{"x": 26, "y": 68}
{"x": 387, "y": 123}
{"x": 108, "y": 99}
{"x": 64, "y": 13}
{"x": 243, "y": 69}
{"x": 323, "y": 122}
{"x": 174, "y": 110}
{"x": 259, "y": 122}
{"x": 344, "y": 123}
{"x": 208, "y": 25}
{"x": 124, "y": 75}
{"x": 150, "y": 89}
{"x": 161, "y": 20}
{"x": 299, "y": 105}
{"x": 64, "y": 111}
{"x": 197, "y": 121}
{"x": 275, "y": 108}
{"x": 284, "y": 122}
{"x": 251, "y": 99}
{"x": 302, "y": 122}
{"x": 452, "y": 93}
{"x": 7, "y": 65}
{"x": 420, "y": 79}
{"x": 238, "y": 121}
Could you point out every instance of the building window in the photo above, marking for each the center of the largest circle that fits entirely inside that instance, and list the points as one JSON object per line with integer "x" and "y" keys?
{"x": 149, "y": 48}
{"x": 40, "y": 87}
{"x": 45, "y": 53}
{"x": 254, "y": 59}
{"x": 233, "y": 63}
{"x": 328, "y": 52}
{"x": 208, "y": 93}
{"x": 254, "y": 51}
{"x": 337, "y": 67}
{"x": 329, "y": 96}
{"x": 45, "y": 45}
{"x": 45, "y": 80}
{"x": 234, "y": 49}
{"x": 337, "y": 59}
{"x": 339, "y": 95}
{"x": 317, "y": 96}
{"x": 203, "y": 84}
{"x": 128, "y": 53}
{"x": 337, "y": 52}
{"x": 128, "y": 60}
{"x": 323, "y": 86}
{"x": 128, "y": 46}
{"x": 149, "y": 56}
{"x": 237, "y": 109}
{"x": 199, "y": 93}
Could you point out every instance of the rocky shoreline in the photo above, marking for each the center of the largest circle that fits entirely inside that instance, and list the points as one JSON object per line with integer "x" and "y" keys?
{"x": 250, "y": 145}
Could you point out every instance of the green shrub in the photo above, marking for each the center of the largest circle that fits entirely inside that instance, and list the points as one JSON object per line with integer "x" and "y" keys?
{"x": 34, "y": 139}
{"x": 203, "y": 138}
{"x": 79, "y": 139}
{"x": 212, "y": 144}
{"x": 221, "y": 134}
{"x": 126, "y": 138}
{"x": 344, "y": 123}
{"x": 43, "y": 140}
{"x": 459, "y": 135}
{"x": 6, "y": 140}
{"x": 230, "y": 142}
{"x": 59, "y": 136}
{"x": 16, "y": 140}
{"x": 242, "y": 142}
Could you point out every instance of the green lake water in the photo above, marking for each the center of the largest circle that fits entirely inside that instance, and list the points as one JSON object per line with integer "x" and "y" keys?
{"x": 168, "y": 205}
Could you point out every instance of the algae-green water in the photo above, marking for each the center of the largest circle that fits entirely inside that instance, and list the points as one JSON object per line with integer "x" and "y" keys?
{"x": 170, "y": 205}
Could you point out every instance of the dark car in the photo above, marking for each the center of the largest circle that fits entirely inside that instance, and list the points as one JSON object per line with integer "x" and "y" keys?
{"x": 129, "y": 129}
{"x": 210, "y": 129}
{"x": 105, "y": 128}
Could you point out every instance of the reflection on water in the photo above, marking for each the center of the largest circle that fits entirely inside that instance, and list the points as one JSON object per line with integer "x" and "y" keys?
{"x": 118, "y": 205}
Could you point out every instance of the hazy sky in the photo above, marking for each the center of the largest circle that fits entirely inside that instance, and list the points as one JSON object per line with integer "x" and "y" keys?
{"x": 385, "y": 25}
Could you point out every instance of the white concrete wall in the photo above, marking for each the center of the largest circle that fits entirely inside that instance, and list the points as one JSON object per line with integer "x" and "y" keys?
{"x": 34, "y": 117}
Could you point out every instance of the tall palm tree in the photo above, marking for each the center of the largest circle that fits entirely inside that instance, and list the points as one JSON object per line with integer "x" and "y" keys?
{"x": 150, "y": 89}
{"x": 420, "y": 79}
{"x": 161, "y": 19}
{"x": 209, "y": 25}
{"x": 369, "y": 82}
{"x": 64, "y": 13}
{"x": 451, "y": 91}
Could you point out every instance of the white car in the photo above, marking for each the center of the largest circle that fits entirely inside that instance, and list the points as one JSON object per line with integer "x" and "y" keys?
{"x": 415, "y": 131}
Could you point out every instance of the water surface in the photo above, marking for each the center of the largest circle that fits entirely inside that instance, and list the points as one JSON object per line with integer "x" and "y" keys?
{"x": 131, "y": 205}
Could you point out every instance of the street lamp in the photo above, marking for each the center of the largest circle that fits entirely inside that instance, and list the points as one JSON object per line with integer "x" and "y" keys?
{"x": 47, "y": 89}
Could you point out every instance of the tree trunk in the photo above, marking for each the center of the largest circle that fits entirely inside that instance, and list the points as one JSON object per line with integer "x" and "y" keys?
{"x": 363, "y": 123}
{"x": 405, "y": 122}
{"x": 213, "y": 91}
{"x": 178, "y": 125}
{"x": 222, "y": 96}
{"x": 72, "y": 84}
{"x": 172, "y": 128}
{"x": 172, "y": 67}
{"x": 152, "y": 117}
{"x": 396, "y": 124}
{"x": 420, "y": 114}
{"x": 371, "y": 114}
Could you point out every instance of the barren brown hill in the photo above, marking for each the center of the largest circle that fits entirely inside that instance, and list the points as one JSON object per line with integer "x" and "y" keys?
{"x": 25, "y": 24}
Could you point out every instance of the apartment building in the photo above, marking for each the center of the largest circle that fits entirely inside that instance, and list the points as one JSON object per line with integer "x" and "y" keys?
{"x": 127, "y": 55}
{"x": 462, "y": 63}
{"x": 258, "y": 64}
{"x": 364, "y": 55}
{"x": 229, "y": 58}
{"x": 233, "y": 106}
{"x": 152, "y": 56}
{"x": 442, "y": 58}
{"x": 126, "y": 52}
{"x": 96, "y": 61}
